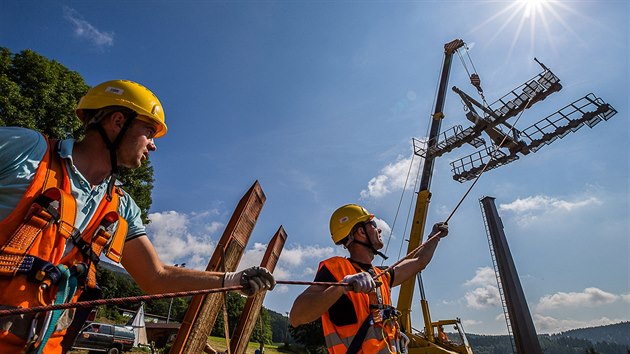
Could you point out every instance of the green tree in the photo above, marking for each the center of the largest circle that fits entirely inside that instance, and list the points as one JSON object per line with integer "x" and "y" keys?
{"x": 235, "y": 306}
{"x": 262, "y": 330}
{"x": 311, "y": 336}
{"x": 41, "y": 94}
{"x": 38, "y": 93}
{"x": 280, "y": 328}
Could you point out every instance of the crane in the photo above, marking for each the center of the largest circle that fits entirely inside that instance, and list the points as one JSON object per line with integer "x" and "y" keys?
{"x": 588, "y": 110}
{"x": 429, "y": 342}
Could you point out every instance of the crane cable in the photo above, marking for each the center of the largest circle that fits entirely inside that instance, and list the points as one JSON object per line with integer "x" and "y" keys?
{"x": 391, "y": 232}
{"x": 492, "y": 156}
{"x": 475, "y": 80}
{"x": 409, "y": 210}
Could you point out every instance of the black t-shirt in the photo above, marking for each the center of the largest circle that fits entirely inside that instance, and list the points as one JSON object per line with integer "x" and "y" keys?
{"x": 342, "y": 312}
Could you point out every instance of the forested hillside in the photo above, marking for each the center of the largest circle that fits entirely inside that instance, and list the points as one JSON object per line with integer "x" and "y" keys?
{"x": 618, "y": 333}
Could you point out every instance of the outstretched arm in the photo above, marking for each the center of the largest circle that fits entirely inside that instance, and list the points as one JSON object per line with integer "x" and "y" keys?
{"x": 313, "y": 302}
{"x": 317, "y": 299}
{"x": 410, "y": 267}
{"x": 154, "y": 277}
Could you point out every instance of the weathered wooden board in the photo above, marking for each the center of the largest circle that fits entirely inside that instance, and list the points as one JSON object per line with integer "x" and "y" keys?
{"x": 247, "y": 322}
{"x": 203, "y": 309}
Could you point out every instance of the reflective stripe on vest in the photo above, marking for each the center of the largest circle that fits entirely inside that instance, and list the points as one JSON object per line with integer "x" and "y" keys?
{"x": 338, "y": 338}
{"x": 373, "y": 333}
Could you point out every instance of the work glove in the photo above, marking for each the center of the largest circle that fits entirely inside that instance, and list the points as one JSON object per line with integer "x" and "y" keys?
{"x": 253, "y": 280}
{"x": 360, "y": 282}
{"x": 441, "y": 227}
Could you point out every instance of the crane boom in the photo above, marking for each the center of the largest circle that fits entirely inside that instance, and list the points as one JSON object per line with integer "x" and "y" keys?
{"x": 428, "y": 343}
{"x": 422, "y": 201}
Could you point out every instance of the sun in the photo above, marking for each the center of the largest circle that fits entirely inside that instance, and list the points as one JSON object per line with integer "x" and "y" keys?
{"x": 532, "y": 6}
{"x": 531, "y": 21}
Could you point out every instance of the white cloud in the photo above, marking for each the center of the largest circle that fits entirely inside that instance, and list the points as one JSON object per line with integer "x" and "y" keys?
{"x": 625, "y": 298}
{"x": 481, "y": 298}
{"x": 468, "y": 323}
{"x": 188, "y": 238}
{"x": 179, "y": 237}
{"x": 290, "y": 262}
{"x": 386, "y": 230}
{"x": 529, "y": 209}
{"x": 281, "y": 289}
{"x": 85, "y": 30}
{"x": 309, "y": 271}
{"x": 214, "y": 227}
{"x": 299, "y": 255}
{"x": 483, "y": 276}
{"x": 253, "y": 256}
{"x": 486, "y": 294}
{"x": 548, "y": 324}
{"x": 391, "y": 178}
{"x": 590, "y": 297}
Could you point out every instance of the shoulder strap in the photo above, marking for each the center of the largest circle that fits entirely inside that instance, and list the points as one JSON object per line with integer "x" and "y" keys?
{"x": 357, "y": 341}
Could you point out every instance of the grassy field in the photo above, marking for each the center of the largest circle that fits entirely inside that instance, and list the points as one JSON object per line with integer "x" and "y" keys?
{"x": 218, "y": 343}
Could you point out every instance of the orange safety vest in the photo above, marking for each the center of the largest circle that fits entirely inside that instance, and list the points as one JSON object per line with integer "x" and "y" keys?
{"x": 32, "y": 243}
{"x": 380, "y": 334}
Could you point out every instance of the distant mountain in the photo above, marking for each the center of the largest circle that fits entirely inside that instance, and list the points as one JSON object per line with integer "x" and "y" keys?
{"x": 615, "y": 333}
{"x": 610, "y": 339}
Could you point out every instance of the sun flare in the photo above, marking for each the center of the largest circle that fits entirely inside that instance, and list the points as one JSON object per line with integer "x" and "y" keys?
{"x": 530, "y": 21}
{"x": 532, "y": 6}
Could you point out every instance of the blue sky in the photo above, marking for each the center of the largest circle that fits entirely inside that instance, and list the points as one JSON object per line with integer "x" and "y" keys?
{"x": 319, "y": 101}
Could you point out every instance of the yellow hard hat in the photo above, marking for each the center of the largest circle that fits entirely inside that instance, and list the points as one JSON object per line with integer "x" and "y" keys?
{"x": 127, "y": 94}
{"x": 343, "y": 220}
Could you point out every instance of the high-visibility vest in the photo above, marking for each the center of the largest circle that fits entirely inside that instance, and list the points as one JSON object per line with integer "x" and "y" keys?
{"x": 32, "y": 243}
{"x": 379, "y": 335}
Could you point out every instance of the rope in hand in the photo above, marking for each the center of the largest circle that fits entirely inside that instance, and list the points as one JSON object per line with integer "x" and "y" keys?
{"x": 141, "y": 298}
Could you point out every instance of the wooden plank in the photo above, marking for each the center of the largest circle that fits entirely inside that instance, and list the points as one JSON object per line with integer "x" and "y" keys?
{"x": 247, "y": 321}
{"x": 203, "y": 309}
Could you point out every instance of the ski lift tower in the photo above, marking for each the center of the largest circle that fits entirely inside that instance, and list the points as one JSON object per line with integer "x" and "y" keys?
{"x": 508, "y": 144}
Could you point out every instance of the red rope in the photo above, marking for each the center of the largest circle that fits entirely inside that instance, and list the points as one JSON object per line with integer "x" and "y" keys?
{"x": 417, "y": 249}
{"x": 134, "y": 299}
{"x": 112, "y": 301}
{"x": 323, "y": 283}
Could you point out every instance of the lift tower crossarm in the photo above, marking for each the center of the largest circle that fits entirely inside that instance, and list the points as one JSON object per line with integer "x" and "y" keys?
{"x": 422, "y": 201}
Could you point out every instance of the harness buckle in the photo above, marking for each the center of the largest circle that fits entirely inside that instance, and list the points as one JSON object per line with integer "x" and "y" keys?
{"x": 43, "y": 272}
{"x": 69, "y": 230}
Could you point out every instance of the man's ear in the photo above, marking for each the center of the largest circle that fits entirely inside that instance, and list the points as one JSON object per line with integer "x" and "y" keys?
{"x": 118, "y": 120}
{"x": 113, "y": 123}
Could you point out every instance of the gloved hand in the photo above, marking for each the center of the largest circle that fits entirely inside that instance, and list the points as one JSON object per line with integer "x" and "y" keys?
{"x": 440, "y": 227}
{"x": 254, "y": 280}
{"x": 361, "y": 282}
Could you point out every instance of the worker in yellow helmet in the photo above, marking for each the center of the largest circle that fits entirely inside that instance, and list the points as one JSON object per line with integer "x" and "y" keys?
{"x": 60, "y": 208}
{"x": 359, "y": 318}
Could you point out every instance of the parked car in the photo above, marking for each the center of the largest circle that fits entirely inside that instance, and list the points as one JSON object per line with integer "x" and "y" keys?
{"x": 102, "y": 337}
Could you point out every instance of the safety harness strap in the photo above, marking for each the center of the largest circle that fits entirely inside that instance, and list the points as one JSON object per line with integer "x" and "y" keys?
{"x": 53, "y": 206}
{"x": 65, "y": 293}
{"x": 358, "y": 339}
